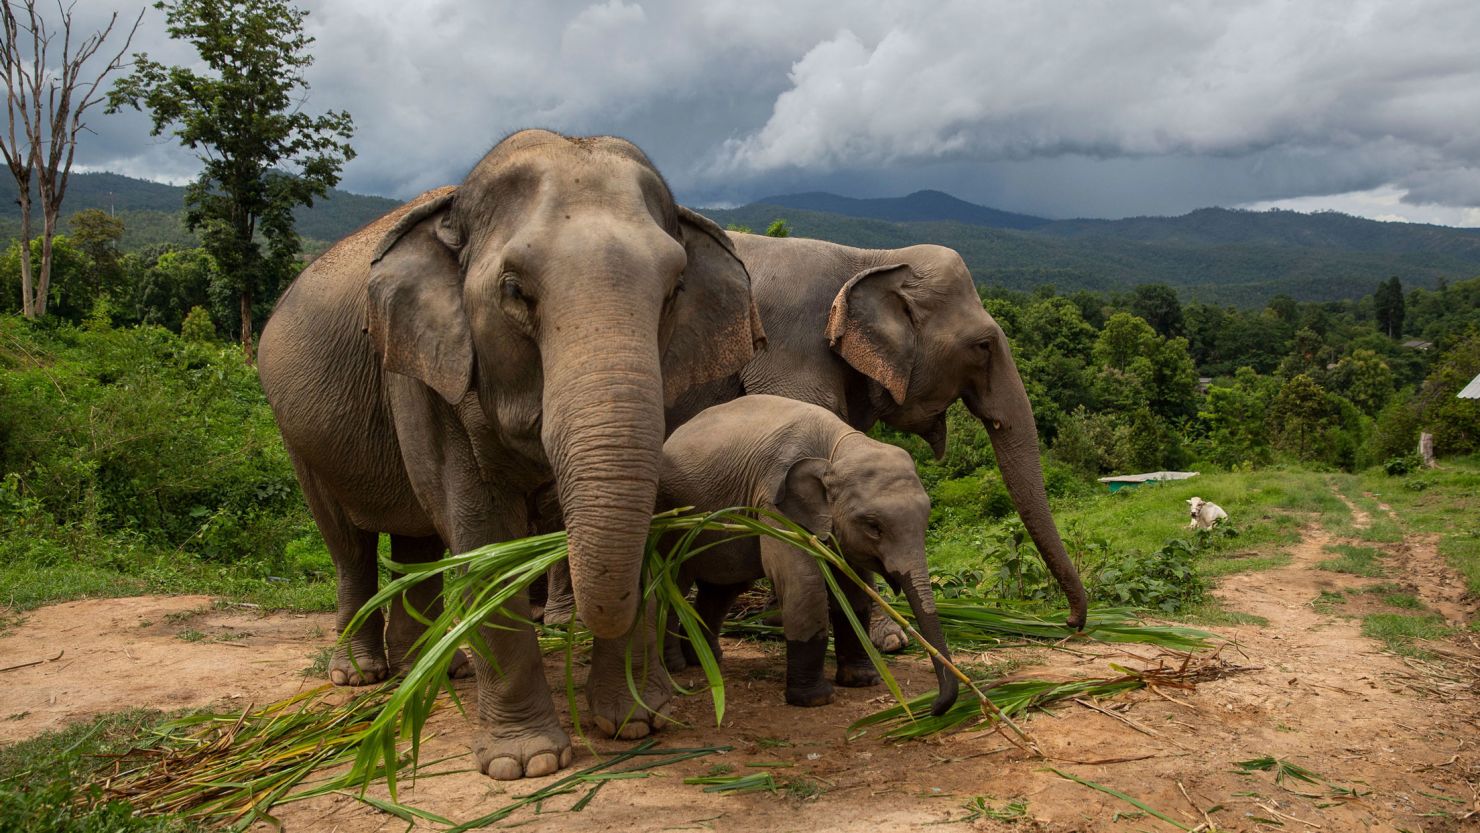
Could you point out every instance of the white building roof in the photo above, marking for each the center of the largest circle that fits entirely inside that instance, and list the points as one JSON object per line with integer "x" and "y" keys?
{"x": 1472, "y": 390}
{"x": 1149, "y": 477}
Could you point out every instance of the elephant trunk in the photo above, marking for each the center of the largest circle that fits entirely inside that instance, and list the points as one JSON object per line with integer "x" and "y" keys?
{"x": 603, "y": 433}
{"x": 916, "y": 585}
{"x": 1008, "y": 418}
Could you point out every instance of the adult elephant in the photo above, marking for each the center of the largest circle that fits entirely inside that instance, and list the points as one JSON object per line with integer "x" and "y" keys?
{"x": 893, "y": 336}
{"x": 433, "y": 370}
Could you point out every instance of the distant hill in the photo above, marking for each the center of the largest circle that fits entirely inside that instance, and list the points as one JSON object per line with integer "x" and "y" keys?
{"x": 1214, "y": 254}
{"x": 151, "y": 211}
{"x": 916, "y": 207}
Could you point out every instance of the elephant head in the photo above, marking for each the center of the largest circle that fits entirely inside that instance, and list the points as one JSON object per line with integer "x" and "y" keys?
{"x": 560, "y": 288}
{"x": 869, "y": 500}
{"x": 917, "y": 328}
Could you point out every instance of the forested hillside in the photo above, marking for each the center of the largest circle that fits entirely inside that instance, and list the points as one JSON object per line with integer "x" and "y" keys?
{"x": 1215, "y": 255}
{"x": 152, "y": 212}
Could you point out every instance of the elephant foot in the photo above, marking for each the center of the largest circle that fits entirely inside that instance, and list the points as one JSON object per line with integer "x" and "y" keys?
{"x": 508, "y": 753}
{"x": 858, "y": 675}
{"x": 691, "y": 656}
{"x": 818, "y": 694}
{"x": 559, "y": 612}
{"x": 886, "y": 634}
{"x": 676, "y": 652}
{"x": 616, "y": 714}
{"x": 461, "y": 667}
{"x": 365, "y": 670}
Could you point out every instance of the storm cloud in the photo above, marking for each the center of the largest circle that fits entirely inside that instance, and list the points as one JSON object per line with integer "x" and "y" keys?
{"x": 1058, "y": 108}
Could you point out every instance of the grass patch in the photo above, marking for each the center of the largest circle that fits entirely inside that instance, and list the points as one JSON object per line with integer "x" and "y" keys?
{"x": 1211, "y": 612}
{"x": 319, "y": 667}
{"x": 1328, "y": 602}
{"x": 1438, "y": 501}
{"x": 1241, "y": 561}
{"x": 1355, "y": 560}
{"x": 1401, "y": 632}
{"x": 39, "y": 780}
{"x": 1402, "y": 601}
{"x": 29, "y": 586}
{"x": 1268, "y": 507}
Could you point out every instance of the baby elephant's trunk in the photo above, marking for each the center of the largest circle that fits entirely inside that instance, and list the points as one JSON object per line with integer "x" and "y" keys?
{"x": 916, "y": 585}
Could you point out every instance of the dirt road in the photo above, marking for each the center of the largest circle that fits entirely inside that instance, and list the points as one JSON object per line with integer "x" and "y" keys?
{"x": 1398, "y": 736}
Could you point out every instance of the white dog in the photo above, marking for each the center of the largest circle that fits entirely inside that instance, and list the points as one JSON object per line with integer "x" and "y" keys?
{"x": 1205, "y": 514}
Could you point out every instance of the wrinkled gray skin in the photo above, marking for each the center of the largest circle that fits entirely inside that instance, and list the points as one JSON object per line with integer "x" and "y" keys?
{"x": 893, "y": 336}
{"x": 434, "y": 369}
{"x": 805, "y": 463}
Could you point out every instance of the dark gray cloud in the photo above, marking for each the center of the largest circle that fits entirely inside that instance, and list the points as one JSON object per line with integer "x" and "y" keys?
{"x": 1049, "y": 106}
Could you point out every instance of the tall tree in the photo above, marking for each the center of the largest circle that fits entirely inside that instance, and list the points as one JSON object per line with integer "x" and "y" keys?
{"x": 47, "y": 95}
{"x": 1387, "y": 305}
{"x": 261, "y": 155}
{"x": 1158, "y": 304}
{"x": 96, "y": 233}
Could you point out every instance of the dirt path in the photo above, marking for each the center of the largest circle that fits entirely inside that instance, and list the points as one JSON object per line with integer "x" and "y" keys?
{"x": 1326, "y": 698}
{"x": 105, "y": 655}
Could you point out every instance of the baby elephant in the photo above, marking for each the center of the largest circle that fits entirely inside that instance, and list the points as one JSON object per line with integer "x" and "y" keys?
{"x": 861, "y": 495}
{"x": 1204, "y": 514}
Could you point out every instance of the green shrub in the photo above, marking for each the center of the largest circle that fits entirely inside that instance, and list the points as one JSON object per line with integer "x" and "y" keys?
{"x": 197, "y": 326}
{"x": 126, "y": 449}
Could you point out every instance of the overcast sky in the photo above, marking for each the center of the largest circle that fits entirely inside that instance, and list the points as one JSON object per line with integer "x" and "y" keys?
{"x": 1062, "y": 109}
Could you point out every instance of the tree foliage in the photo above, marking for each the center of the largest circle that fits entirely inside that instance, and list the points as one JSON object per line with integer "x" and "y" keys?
{"x": 1387, "y": 305}
{"x": 46, "y": 97}
{"x": 261, "y": 155}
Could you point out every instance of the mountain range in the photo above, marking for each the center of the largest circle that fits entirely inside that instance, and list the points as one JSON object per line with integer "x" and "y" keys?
{"x": 1221, "y": 255}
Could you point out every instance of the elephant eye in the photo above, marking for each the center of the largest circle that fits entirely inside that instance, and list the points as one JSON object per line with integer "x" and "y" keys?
{"x": 511, "y": 290}
{"x": 873, "y": 528}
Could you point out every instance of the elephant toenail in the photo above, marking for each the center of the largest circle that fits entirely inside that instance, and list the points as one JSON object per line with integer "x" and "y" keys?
{"x": 504, "y": 769}
{"x": 542, "y": 764}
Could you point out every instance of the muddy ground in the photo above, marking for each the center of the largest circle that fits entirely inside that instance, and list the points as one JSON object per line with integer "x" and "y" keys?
{"x": 1403, "y": 735}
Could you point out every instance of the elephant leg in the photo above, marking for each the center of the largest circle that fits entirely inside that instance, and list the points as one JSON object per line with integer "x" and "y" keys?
{"x": 713, "y": 603}
{"x": 560, "y": 599}
{"x": 519, "y": 733}
{"x": 884, "y": 632}
{"x": 802, "y": 592}
{"x": 855, "y": 669}
{"x": 359, "y": 660}
{"x": 614, "y": 709}
{"x": 677, "y": 653}
{"x": 403, "y": 629}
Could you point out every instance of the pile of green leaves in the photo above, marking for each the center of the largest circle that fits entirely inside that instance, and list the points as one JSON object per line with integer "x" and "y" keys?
{"x": 1009, "y": 698}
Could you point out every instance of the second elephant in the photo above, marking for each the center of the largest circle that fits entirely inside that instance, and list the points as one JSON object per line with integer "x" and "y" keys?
{"x": 807, "y": 464}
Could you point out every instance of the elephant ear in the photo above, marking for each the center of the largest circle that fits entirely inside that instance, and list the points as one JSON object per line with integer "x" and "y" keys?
{"x": 871, "y": 325}
{"x": 416, "y": 315}
{"x": 802, "y": 496}
{"x": 713, "y": 328}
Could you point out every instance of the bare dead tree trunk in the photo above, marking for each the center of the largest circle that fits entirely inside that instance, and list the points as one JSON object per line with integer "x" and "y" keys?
{"x": 246, "y": 311}
{"x": 46, "y": 98}
{"x": 27, "y": 295}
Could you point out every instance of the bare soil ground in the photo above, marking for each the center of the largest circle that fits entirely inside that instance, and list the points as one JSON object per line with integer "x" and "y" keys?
{"x": 1403, "y": 734}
